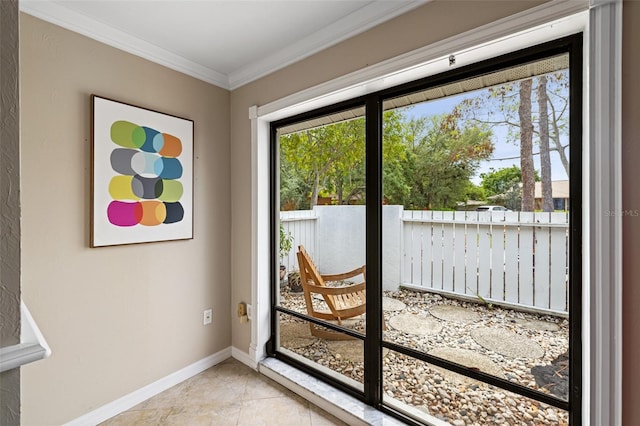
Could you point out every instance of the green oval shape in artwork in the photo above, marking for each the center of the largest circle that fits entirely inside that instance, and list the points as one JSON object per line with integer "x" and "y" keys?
{"x": 172, "y": 191}
{"x": 127, "y": 134}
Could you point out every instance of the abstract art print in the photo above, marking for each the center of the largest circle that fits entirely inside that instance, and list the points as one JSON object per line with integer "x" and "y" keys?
{"x": 142, "y": 175}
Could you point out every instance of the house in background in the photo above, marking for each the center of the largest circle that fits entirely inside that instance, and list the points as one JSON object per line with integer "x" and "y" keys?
{"x": 126, "y": 320}
{"x": 559, "y": 193}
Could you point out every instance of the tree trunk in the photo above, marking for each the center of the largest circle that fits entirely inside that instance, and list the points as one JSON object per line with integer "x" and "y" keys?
{"x": 545, "y": 159}
{"x": 340, "y": 190}
{"x": 315, "y": 188}
{"x": 526, "y": 147}
{"x": 556, "y": 140}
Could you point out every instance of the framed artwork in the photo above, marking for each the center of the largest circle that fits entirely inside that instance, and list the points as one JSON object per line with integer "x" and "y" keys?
{"x": 142, "y": 175}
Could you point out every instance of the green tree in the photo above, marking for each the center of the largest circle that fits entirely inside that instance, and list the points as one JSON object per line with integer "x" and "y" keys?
{"x": 326, "y": 157}
{"x": 427, "y": 162}
{"x": 444, "y": 156}
{"x": 498, "y": 107}
{"x": 331, "y": 159}
{"x": 497, "y": 182}
{"x": 544, "y": 122}
{"x": 504, "y": 186}
{"x": 293, "y": 188}
{"x": 395, "y": 156}
{"x": 474, "y": 192}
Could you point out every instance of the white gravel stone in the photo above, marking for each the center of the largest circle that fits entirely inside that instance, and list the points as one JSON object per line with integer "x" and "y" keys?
{"x": 390, "y": 305}
{"x": 454, "y": 313}
{"x": 507, "y": 343}
{"x": 415, "y": 324}
{"x": 426, "y": 388}
{"x": 537, "y": 324}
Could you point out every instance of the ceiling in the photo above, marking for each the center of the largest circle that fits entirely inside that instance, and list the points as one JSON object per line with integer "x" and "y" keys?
{"x": 228, "y": 43}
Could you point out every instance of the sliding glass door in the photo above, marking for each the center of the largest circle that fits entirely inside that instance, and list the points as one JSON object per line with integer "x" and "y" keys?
{"x": 321, "y": 235}
{"x": 480, "y": 195}
{"x": 426, "y": 242}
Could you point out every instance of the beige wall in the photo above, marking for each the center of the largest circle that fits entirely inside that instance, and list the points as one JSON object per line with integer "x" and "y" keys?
{"x": 116, "y": 318}
{"x": 631, "y": 202}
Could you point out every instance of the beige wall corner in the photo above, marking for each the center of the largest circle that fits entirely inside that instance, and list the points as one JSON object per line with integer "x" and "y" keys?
{"x": 116, "y": 318}
{"x": 631, "y": 204}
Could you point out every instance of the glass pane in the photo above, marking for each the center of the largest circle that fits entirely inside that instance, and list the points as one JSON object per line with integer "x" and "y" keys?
{"x": 333, "y": 353}
{"x": 475, "y": 228}
{"x": 322, "y": 218}
{"x": 424, "y": 392}
{"x": 526, "y": 348}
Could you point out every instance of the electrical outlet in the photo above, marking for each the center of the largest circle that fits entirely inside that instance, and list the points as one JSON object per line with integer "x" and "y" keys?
{"x": 249, "y": 311}
{"x": 242, "y": 309}
{"x": 242, "y": 312}
{"x": 206, "y": 316}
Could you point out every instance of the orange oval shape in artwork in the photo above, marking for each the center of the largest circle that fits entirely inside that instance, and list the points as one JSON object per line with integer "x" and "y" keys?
{"x": 153, "y": 213}
{"x": 172, "y": 146}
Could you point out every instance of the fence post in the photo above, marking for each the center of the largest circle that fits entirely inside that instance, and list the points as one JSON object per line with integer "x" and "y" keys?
{"x": 392, "y": 247}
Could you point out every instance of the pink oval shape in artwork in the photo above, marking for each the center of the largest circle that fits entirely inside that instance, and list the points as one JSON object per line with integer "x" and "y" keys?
{"x": 124, "y": 214}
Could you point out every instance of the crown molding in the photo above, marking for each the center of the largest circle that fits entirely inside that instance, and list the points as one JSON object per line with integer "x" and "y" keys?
{"x": 82, "y": 24}
{"x": 433, "y": 59}
{"x": 349, "y": 26}
{"x": 355, "y": 23}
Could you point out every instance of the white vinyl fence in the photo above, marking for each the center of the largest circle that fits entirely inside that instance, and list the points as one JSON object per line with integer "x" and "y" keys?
{"x": 302, "y": 225}
{"x": 513, "y": 258}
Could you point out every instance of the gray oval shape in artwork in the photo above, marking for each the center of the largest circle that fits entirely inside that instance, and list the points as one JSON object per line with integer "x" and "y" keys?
{"x": 121, "y": 161}
{"x": 147, "y": 188}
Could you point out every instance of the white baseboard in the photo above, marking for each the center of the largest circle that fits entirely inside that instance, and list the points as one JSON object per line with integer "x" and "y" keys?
{"x": 244, "y": 358}
{"x": 128, "y": 401}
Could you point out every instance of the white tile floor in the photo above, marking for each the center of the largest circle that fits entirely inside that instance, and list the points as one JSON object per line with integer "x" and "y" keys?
{"x": 229, "y": 393}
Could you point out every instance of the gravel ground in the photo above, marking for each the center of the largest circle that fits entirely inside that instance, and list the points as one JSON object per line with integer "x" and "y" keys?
{"x": 498, "y": 341}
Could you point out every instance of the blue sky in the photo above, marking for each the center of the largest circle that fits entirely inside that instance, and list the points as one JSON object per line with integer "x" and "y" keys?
{"x": 502, "y": 148}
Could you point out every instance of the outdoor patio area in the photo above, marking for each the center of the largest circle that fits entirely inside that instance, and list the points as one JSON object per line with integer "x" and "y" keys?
{"x": 529, "y": 349}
